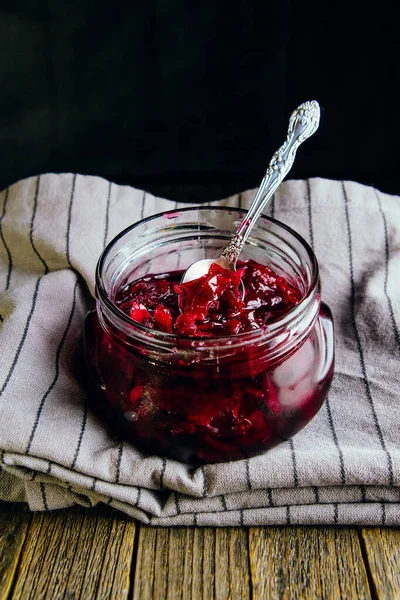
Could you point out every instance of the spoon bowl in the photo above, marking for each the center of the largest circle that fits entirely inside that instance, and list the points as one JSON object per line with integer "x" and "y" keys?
{"x": 201, "y": 267}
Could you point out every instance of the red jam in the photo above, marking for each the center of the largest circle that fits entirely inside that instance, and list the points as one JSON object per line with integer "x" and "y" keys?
{"x": 211, "y": 305}
{"x": 215, "y": 406}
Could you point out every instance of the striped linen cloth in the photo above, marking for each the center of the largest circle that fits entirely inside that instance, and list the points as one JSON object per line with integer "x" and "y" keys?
{"x": 343, "y": 468}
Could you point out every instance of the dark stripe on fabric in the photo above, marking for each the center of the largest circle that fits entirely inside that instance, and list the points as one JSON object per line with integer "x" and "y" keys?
{"x": 62, "y": 466}
{"x": 383, "y": 513}
{"x": 195, "y": 523}
{"x": 269, "y": 493}
{"x": 335, "y": 513}
{"x": 82, "y": 431}
{"x": 223, "y": 502}
{"x": 359, "y": 345}
{"x": 241, "y": 517}
{"x": 294, "y": 463}
{"x": 385, "y": 285}
{"x": 309, "y": 208}
{"x": 119, "y": 460}
{"x": 9, "y": 258}
{"x": 316, "y": 494}
{"x": 35, "y": 202}
{"x": 23, "y": 338}
{"x": 328, "y": 407}
{"x": 248, "y": 476}
{"x": 177, "y": 506}
{"x": 162, "y": 473}
{"x": 46, "y": 270}
{"x": 44, "y": 496}
{"x": 57, "y": 372}
{"x": 93, "y": 486}
{"x": 143, "y": 205}
{"x": 363, "y": 493}
{"x": 336, "y": 442}
{"x": 288, "y": 520}
{"x": 139, "y": 493}
{"x": 107, "y": 215}
{"x": 71, "y": 200}
{"x": 205, "y": 486}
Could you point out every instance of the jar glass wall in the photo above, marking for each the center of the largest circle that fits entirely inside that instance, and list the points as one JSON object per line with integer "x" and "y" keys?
{"x": 216, "y": 399}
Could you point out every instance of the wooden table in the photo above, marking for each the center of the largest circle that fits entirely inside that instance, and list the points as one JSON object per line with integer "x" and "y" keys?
{"x": 101, "y": 553}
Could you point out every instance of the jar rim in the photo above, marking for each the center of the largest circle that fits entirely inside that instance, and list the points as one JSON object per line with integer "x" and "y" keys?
{"x": 269, "y": 330}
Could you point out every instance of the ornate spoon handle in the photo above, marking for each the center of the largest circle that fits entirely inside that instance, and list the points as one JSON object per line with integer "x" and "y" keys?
{"x": 303, "y": 123}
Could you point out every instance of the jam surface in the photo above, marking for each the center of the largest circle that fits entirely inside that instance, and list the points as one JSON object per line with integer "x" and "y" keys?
{"x": 213, "y": 305}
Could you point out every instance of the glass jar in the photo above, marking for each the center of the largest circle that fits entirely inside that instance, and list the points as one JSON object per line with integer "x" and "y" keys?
{"x": 207, "y": 400}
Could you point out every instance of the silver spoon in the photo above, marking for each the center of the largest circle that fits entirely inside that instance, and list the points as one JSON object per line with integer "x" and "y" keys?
{"x": 303, "y": 123}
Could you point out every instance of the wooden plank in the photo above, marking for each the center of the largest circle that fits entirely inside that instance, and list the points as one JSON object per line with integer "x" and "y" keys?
{"x": 14, "y": 523}
{"x": 232, "y": 576}
{"x": 350, "y": 565}
{"x": 180, "y": 553}
{"x": 203, "y": 564}
{"x": 144, "y": 574}
{"x": 115, "y": 574}
{"x": 382, "y": 554}
{"x": 160, "y": 564}
{"x": 307, "y": 562}
{"x": 33, "y": 555}
{"x": 181, "y": 563}
{"x": 77, "y": 542}
{"x": 76, "y": 553}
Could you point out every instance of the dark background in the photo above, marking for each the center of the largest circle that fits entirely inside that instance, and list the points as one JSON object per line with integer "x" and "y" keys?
{"x": 189, "y": 100}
